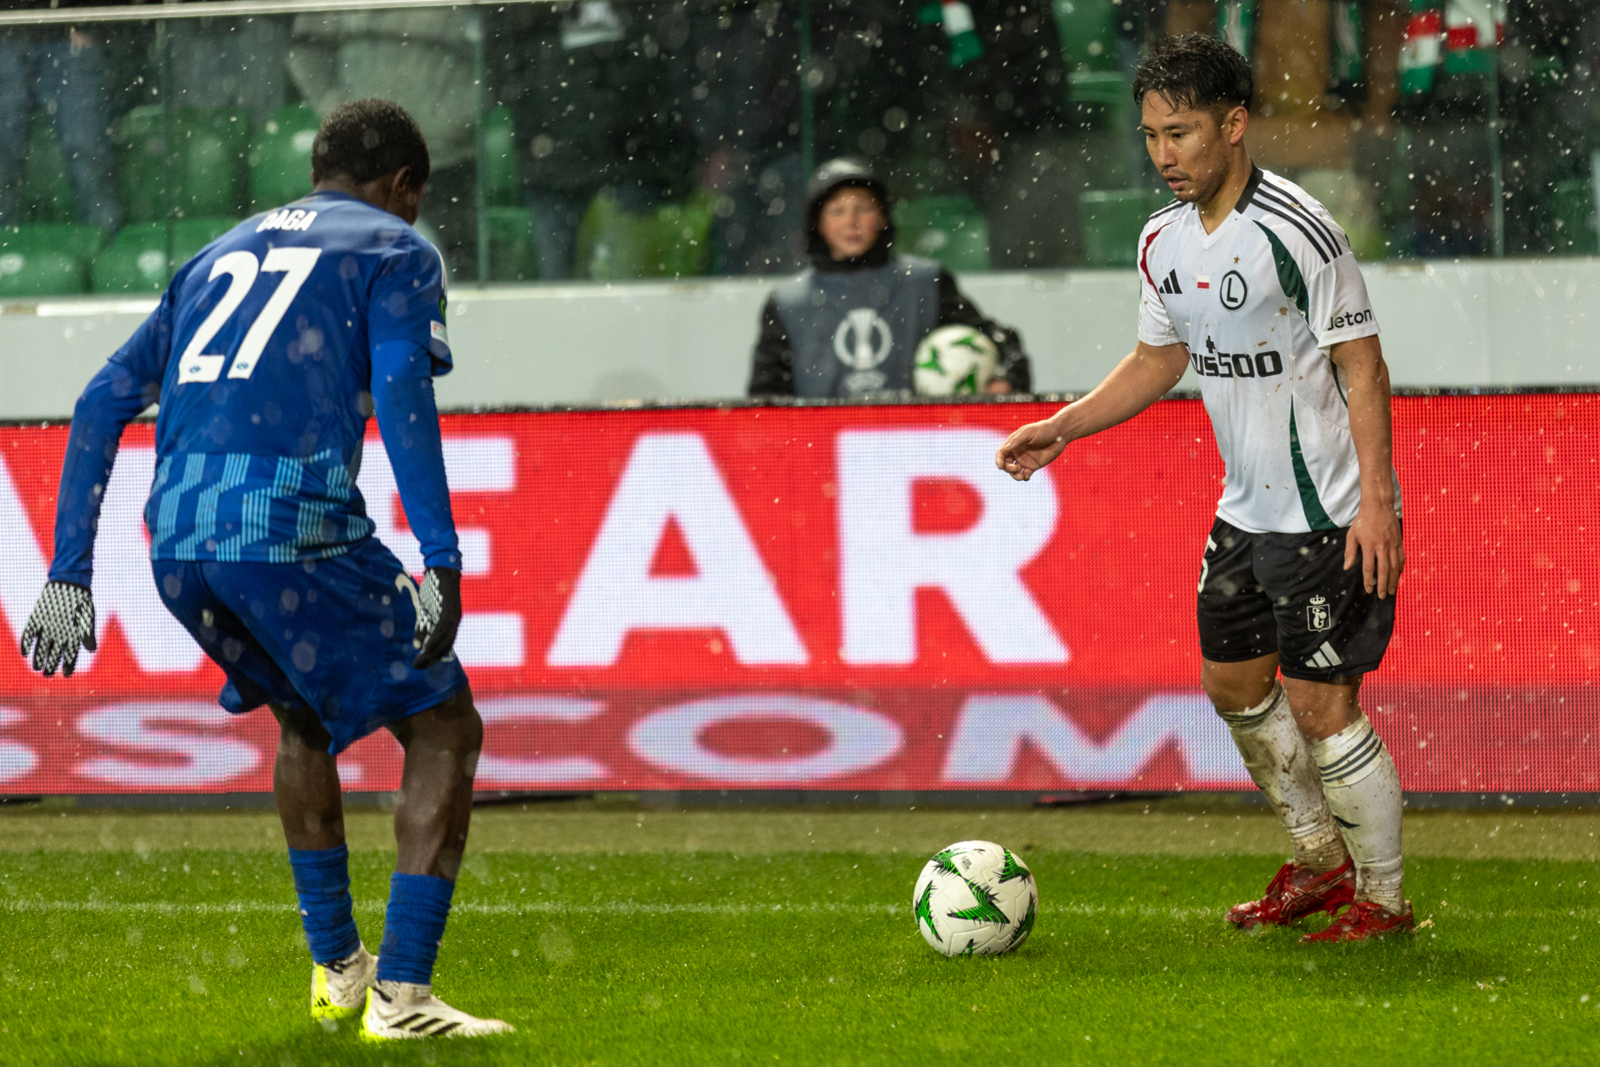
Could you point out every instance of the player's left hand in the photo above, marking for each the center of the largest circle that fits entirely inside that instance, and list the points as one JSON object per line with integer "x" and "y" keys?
{"x": 438, "y": 616}
{"x": 998, "y": 387}
{"x": 62, "y": 622}
{"x": 1376, "y": 535}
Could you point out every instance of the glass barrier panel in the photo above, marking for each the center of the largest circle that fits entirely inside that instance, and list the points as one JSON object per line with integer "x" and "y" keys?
{"x": 612, "y": 140}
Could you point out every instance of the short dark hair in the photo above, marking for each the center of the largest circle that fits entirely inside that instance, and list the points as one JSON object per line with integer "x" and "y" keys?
{"x": 1196, "y": 71}
{"x": 366, "y": 139}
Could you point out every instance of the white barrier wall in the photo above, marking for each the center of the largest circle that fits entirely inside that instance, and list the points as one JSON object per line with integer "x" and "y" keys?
{"x": 1448, "y": 324}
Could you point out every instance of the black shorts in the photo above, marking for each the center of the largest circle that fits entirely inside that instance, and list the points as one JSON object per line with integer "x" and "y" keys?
{"x": 1290, "y": 594}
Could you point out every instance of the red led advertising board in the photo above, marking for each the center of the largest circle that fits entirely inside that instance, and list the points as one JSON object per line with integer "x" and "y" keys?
{"x": 853, "y": 598}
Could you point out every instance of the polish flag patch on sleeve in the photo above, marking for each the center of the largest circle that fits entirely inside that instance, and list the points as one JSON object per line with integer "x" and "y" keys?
{"x": 1202, "y": 281}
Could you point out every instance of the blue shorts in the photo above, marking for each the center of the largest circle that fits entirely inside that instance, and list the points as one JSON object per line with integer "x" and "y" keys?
{"x": 332, "y": 636}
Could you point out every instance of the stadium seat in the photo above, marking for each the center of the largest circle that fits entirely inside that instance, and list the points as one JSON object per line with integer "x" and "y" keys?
{"x": 47, "y": 259}
{"x": 1087, "y": 30}
{"x": 206, "y": 166}
{"x": 41, "y": 272}
{"x": 1112, "y": 219}
{"x": 949, "y": 229}
{"x": 615, "y": 244}
{"x": 136, "y": 261}
{"x": 47, "y": 194}
{"x": 71, "y": 238}
{"x": 1100, "y": 99}
{"x": 189, "y": 236}
{"x": 216, "y": 144}
{"x": 683, "y": 235}
{"x": 136, "y": 137}
{"x": 512, "y": 254}
{"x": 280, "y": 157}
{"x": 1572, "y": 207}
{"x": 500, "y": 185}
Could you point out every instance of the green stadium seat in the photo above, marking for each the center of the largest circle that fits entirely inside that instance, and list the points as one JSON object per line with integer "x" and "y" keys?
{"x": 499, "y": 162}
{"x": 74, "y": 239}
{"x": 47, "y": 259}
{"x": 136, "y": 138}
{"x": 216, "y": 142}
{"x": 40, "y": 272}
{"x": 206, "y": 168}
{"x": 1087, "y": 30}
{"x": 1101, "y": 100}
{"x": 1112, "y": 219}
{"x": 280, "y": 157}
{"x": 47, "y": 194}
{"x": 615, "y": 244}
{"x": 1572, "y": 205}
{"x": 683, "y": 237}
{"x": 513, "y": 256}
{"x": 949, "y": 229}
{"x": 136, "y": 261}
{"x": 189, "y": 236}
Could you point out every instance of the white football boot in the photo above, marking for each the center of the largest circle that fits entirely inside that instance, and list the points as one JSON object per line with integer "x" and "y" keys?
{"x": 397, "y": 1010}
{"x": 338, "y": 990}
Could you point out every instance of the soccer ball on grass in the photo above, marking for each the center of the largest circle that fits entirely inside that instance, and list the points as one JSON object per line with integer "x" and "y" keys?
{"x": 975, "y": 898}
{"x": 954, "y": 361}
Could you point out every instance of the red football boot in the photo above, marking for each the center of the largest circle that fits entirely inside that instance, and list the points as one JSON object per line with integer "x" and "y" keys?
{"x": 1296, "y": 892}
{"x": 1363, "y": 921}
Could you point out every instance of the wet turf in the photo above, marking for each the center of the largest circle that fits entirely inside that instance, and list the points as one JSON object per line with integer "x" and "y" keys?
{"x": 153, "y": 952}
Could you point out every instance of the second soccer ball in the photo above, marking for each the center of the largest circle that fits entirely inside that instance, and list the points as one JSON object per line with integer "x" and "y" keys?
{"x": 975, "y": 898}
{"x": 954, "y": 361}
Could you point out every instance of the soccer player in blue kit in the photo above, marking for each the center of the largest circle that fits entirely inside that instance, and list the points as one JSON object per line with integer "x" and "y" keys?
{"x": 267, "y": 354}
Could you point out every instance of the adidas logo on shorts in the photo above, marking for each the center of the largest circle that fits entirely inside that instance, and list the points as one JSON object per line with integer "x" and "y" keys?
{"x": 1325, "y": 657}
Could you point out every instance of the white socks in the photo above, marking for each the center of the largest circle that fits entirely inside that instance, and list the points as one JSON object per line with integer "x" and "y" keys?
{"x": 1363, "y": 792}
{"x": 1281, "y": 764}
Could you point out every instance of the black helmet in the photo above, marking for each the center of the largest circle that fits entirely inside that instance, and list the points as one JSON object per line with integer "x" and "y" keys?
{"x": 837, "y": 174}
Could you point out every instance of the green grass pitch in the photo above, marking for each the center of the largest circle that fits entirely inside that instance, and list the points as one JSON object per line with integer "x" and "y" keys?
{"x": 614, "y": 936}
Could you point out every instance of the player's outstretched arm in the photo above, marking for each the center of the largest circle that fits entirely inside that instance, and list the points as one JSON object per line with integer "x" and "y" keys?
{"x": 62, "y": 620}
{"x": 1144, "y": 376}
{"x": 408, "y": 420}
{"x": 1375, "y": 535}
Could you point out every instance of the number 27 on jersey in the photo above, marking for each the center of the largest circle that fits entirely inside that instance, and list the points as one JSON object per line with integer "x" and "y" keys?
{"x": 295, "y": 264}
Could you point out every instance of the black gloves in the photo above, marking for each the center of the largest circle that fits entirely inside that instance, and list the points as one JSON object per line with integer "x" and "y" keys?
{"x": 438, "y": 616}
{"x": 63, "y": 621}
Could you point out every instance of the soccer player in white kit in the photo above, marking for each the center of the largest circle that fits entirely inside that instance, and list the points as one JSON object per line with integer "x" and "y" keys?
{"x": 1249, "y": 280}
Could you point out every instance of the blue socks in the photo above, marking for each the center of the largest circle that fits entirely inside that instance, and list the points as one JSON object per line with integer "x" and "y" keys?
{"x": 322, "y": 881}
{"x": 419, "y": 904}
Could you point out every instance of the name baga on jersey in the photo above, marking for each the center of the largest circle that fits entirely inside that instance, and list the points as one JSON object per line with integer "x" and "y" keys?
{"x": 263, "y": 347}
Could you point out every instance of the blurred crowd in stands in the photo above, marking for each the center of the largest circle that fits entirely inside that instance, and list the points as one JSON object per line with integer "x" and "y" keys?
{"x": 611, "y": 139}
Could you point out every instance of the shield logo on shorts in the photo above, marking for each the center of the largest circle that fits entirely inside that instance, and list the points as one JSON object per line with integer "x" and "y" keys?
{"x": 1318, "y": 617}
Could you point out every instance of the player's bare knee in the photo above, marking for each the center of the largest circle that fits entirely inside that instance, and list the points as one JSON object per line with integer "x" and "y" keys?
{"x": 1323, "y": 708}
{"x": 465, "y": 730}
{"x": 1234, "y": 687}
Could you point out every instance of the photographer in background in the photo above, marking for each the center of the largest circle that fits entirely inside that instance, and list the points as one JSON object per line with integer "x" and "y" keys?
{"x": 849, "y": 325}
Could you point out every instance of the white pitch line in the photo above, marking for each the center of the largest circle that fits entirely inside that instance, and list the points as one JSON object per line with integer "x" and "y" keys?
{"x": 635, "y": 908}
{"x": 540, "y": 907}
{"x": 557, "y": 907}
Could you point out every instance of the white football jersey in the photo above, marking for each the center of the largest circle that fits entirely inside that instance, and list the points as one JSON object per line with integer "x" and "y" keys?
{"x": 1258, "y": 303}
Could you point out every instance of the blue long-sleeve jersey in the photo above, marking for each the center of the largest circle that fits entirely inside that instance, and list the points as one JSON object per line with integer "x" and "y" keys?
{"x": 267, "y": 354}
